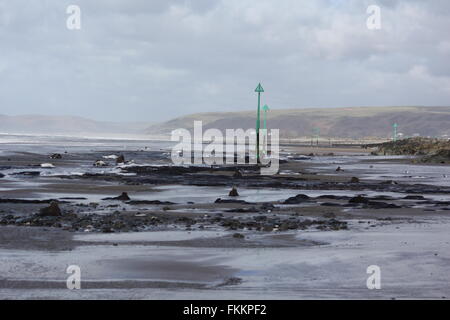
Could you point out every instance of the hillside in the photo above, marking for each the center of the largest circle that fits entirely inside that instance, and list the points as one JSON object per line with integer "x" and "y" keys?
{"x": 41, "y": 124}
{"x": 357, "y": 122}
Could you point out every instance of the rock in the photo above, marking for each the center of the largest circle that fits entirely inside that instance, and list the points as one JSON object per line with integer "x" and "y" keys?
{"x": 51, "y": 211}
{"x": 233, "y": 281}
{"x": 237, "y": 174}
{"x": 233, "y": 193}
{"x": 354, "y": 180}
{"x": 1, "y": 175}
{"x": 56, "y": 156}
{"x": 299, "y": 157}
{"x": 434, "y": 150}
{"x": 100, "y": 163}
{"x": 27, "y": 173}
{"x": 441, "y": 156}
{"x": 267, "y": 206}
{"x": 120, "y": 159}
{"x": 219, "y": 200}
{"x": 389, "y": 182}
{"x": 123, "y": 197}
{"x": 268, "y": 228}
{"x": 297, "y": 199}
{"x": 414, "y": 198}
{"x": 107, "y": 229}
{"x": 359, "y": 199}
{"x": 330, "y": 196}
{"x": 238, "y": 236}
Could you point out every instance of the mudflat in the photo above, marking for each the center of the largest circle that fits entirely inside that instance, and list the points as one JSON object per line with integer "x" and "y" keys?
{"x": 148, "y": 229}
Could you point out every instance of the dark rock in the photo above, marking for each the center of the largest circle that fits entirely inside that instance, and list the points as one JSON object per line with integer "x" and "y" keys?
{"x": 414, "y": 198}
{"x": 237, "y": 174}
{"x": 73, "y": 198}
{"x": 107, "y": 229}
{"x": 238, "y": 236}
{"x": 330, "y": 204}
{"x": 441, "y": 156}
{"x": 354, "y": 180}
{"x": 56, "y": 156}
{"x": 297, "y": 199}
{"x": 382, "y": 205}
{"x": 219, "y": 200}
{"x": 382, "y": 198}
{"x": 120, "y": 159}
{"x": 123, "y": 197}
{"x": 51, "y": 211}
{"x": 330, "y": 196}
{"x": 233, "y": 193}
{"x": 25, "y": 201}
{"x": 233, "y": 281}
{"x": 389, "y": 182}
{"x": 1, "y": 175}
{"x": 359, "y": 199}
{"x": 27, "y": 173}
{"x": 267, "y": 206}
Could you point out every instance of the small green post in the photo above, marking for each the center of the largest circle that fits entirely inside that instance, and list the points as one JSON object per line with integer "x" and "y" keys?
{"x": 394, "y": 134}
{"x": 258, "y": 89}
{"x": 265, "y": 109}
{"x": 316, "y": 134}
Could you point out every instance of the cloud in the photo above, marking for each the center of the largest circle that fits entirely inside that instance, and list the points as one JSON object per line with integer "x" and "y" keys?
{"x": 153, "y": 60}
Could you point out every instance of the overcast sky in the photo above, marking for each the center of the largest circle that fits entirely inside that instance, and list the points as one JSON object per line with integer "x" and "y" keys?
{"x": 151, "y": 60}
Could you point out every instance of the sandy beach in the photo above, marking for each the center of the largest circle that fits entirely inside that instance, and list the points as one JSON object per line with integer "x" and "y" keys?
{"x": 308, "y": 232}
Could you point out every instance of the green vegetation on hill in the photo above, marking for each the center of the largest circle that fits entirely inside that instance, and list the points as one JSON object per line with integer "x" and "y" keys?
{"x": 432, "y": 150}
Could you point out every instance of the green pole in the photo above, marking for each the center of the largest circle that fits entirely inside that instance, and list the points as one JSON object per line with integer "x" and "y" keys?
{"x": 395, "y": 132}
{"x": 257, "y": 127}
{"x": 265, "y": 109}
{"x": 258, "y": 89}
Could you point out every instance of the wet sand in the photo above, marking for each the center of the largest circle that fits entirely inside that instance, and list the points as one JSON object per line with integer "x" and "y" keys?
{"x": 174, "y": 239}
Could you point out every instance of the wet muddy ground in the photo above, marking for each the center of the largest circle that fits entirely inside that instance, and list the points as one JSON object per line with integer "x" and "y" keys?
{"x": 148, "y": 229}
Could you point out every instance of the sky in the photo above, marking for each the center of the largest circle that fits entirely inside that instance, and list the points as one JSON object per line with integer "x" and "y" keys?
{"x": 153, "y": 60}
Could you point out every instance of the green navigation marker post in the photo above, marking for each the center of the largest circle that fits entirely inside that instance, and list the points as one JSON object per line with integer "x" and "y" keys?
{"x": 265, "y": 109}
{"x": 258, "y": 89}
{"x": 394, "y": 133}
{"x": 316, "y": 134}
